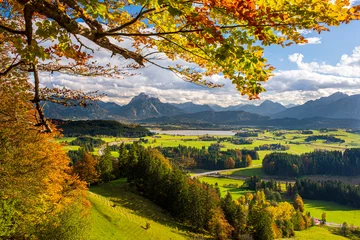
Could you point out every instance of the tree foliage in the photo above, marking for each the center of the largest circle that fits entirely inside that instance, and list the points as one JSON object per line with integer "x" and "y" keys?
{"x": 219, "y": 36}
{"x": 345, "y": 163}
{"x": 37, "y": 186}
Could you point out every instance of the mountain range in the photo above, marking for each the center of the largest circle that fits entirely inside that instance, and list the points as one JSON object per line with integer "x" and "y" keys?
{"x": 150, "y": 109}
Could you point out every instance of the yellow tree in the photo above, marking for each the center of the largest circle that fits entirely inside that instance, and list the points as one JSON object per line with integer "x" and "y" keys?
{"x": 37, "y": 187}
{"x": 299, "y": 203}
{"x": 214, "y": 36}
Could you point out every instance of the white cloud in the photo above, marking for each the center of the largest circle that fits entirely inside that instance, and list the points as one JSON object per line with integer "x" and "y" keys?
{"x": 308, "y": 81}
{"x": 313, "y": 79}
{"x": 312, "y": 40}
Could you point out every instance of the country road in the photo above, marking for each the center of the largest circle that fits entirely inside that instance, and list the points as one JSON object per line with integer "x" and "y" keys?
{"x": 239, "y": 177}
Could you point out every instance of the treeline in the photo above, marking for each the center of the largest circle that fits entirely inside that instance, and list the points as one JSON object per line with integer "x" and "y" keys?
{"x": 246, "y": 134}
{"x": 335, "y": 191}
{"x": 307, "y": 132}
{"x": 317, "y": 162}
{"x": 327, "y": 138}
{"x": 211, "y": 158}
{"x": 273, "y": 146}
{"x": 88, "y": 143}
{"x": 102, "y": 128}
{"x": 239, "y": 141}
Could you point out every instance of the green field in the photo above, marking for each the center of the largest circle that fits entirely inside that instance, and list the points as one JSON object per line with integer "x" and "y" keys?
{"x": 246, "y": 172}
{"x": 334, "y": 212}
{"x": 317, "y": 233}
{"x": 235, "y": 192}
{"x": 119, "y": 214}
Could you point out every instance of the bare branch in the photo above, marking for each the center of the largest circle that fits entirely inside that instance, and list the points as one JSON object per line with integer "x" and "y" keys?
{"x": 82, "y": 44}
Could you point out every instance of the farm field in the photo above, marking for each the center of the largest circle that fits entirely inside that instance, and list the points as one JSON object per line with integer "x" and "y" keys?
{"x": 117, "y": 213}
{"x": 293, "y": 138}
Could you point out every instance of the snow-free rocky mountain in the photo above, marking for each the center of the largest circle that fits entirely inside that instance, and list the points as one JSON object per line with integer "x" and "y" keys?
{"x": 266, "y": 108}
{"x": 338, "y": 105}
{"x": 142, "y": 107}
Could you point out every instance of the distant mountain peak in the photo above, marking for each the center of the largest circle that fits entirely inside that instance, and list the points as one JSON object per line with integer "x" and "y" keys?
{"x": 268, "y": 102}
{"x": 338, "y": 94}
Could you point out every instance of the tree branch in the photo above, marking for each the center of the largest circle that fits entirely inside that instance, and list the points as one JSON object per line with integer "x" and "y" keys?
{"x": 187, "y": 31}
{"x": 28, "y": 14}
{"x": 10, "y": 68}
{"x": 72, "y": 26}
{"x": 141, "y": 13}
{"x": 36, "y": 100}
{"x": 10, "y": 30}
{"x": 91, "y": 22}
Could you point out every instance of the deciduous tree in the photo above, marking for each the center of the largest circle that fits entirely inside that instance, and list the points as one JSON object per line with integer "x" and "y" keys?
{"x": 229, "y": 163}
{"x": 86, "y": 168}
{"x": 36, "y": 183}
{"x": 219, "y": 36}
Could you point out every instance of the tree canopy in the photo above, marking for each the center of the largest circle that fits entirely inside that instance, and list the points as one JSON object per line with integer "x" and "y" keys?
{"x": 213, "y": 36}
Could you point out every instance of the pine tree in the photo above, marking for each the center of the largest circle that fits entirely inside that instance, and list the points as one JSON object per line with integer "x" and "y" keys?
{"x": 105, "y": 166}
{"x": 123, "y": 159}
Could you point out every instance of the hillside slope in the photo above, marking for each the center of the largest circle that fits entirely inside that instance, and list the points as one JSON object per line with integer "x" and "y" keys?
{"x": 118, "y": 213}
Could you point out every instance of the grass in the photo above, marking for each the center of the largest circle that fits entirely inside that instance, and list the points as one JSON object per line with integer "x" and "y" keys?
{"x": 235, "y": 192}
{"x": 334, "y": 212}
{"x": 118, "y": 213}
{"x": 317, "y": 233}
{"x": 68, "y": 148}
{"x": 246, "y": 172}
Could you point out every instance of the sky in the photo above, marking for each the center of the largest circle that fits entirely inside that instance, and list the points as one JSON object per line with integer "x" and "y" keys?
{"x": 329, "y": 63}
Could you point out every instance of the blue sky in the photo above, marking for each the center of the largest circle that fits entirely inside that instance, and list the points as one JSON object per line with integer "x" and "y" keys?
{"x": 340, "y": 40}
{"x": 330, "y": 62}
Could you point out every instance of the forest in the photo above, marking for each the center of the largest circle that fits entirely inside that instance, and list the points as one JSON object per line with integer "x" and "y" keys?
{"x": 102, "y": 128}
{"x": 195, "y": 203}
{"x": 211, "y": 158}
{"x": 325, "y": 162}
{"x": 335, "y": 191}
{"x": 88, "y": 143}
{"x": 327, "y": 138}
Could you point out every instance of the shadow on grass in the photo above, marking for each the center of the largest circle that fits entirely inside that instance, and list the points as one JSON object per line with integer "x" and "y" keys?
{"x": 328, "y": 205}
{"x": 248, "y": 172}
{"x": 120, "y": 194}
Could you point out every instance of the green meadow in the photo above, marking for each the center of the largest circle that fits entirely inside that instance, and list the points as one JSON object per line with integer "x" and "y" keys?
{"x": 317, "y": 233}
{"x": 236, "y": 192}
{"x": 117, "y": 213}
{"x": 334, "y": 212}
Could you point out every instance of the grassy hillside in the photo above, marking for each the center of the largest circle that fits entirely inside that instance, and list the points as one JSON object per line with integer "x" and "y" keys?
{"x": 119, "y": 214}
{"x": 317, "y": 233}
